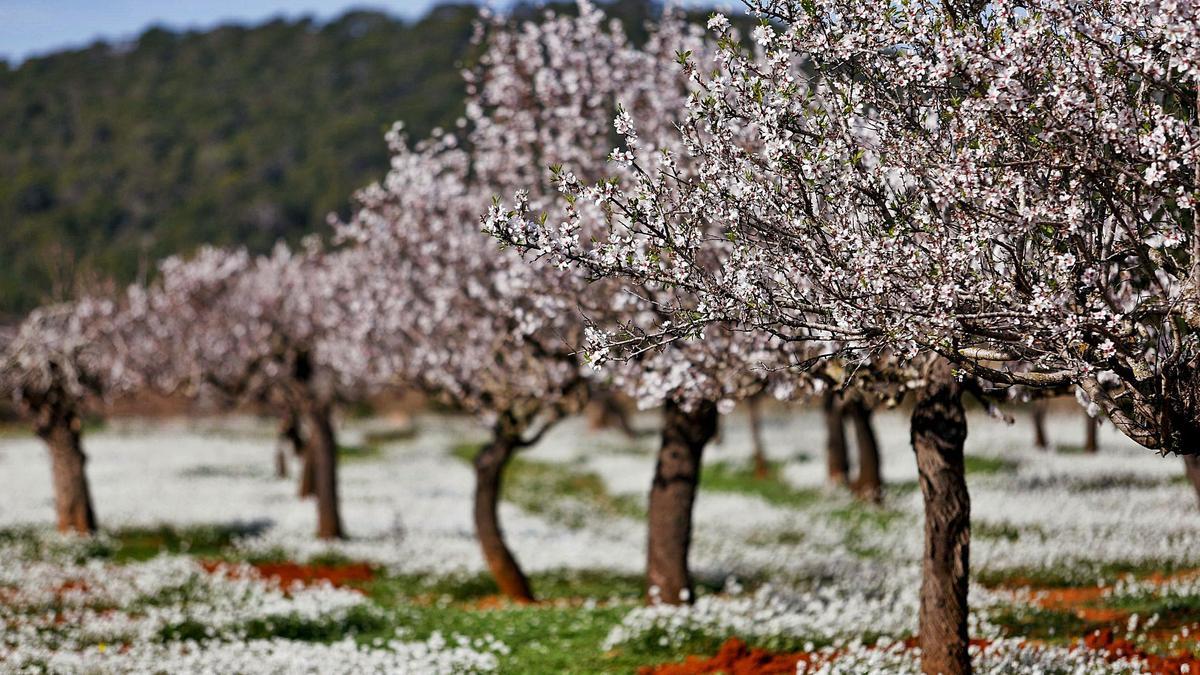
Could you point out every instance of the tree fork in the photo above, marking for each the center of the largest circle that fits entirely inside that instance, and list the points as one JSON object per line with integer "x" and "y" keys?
{"x": 939, "y": 429}
{"x": 672, "y": 495}
{"x": 489, "y": 471}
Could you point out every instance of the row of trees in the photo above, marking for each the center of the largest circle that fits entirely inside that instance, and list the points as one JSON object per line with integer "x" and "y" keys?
{"x": 922, "y": 201}
{"x": 996, "y": 195}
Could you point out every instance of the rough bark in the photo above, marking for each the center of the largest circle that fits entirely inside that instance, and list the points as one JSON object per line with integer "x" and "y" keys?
{"x": 1091, "y": 442}
{"x": 1180, "y": 417}
{"x": 868, "y": 485}
{"x": 489, "y": 471}
{"x": 1191, "y": 467}
{"x": 321, "y": 453}
{"x": 837, "y": 459}
{"x": 1039, "y": 426}
{"x": 672, "y": 494}
{"x": 762, "y": 469}
{"x": 60, "y": 429}
{"x": 939, "y": 429}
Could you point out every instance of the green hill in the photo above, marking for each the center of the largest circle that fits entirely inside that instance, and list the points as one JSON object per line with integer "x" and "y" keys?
{"x": 116, "y": 155}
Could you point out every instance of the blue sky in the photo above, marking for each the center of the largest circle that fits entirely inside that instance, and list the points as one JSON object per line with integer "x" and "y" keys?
{"x": 32, "y": 27}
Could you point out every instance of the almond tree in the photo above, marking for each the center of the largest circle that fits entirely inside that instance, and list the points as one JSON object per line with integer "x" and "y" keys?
{"x": 269, "y": 328}
{"x": 498, "y": 336}
{"x": 546, "y": 96}
{"x": 985, "y": 189}
{"x": 61, "y": 358}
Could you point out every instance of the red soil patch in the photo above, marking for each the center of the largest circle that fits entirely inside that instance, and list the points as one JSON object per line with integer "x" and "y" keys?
{"x": 289, "y": 573}
{"x": 1105, "y": 641}
{"x": 734, "y": 658}
{"x": 1076, "y": 600}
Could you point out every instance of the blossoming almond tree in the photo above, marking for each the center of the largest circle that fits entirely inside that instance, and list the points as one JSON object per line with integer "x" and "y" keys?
{"x": 273, "y": 327}
{"x": 1005, "y": 190}
{"x": 61, "y": 357}
{"x": 541, "y": 100}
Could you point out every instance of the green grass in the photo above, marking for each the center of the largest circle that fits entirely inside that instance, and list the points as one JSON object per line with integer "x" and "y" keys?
{"x": 203, "y": 541}
{"x": 1067, "y": 575}
{"x": 558, "y": 491}
{"x": 975, "y": 464}
{"x": 564, "y": 634}
{"x": 383, "y": 436}
{"x": 443, "y": 590}
{"x": 358, "y": 453}
{"x": 740, "y": 478}
{"x": 1050, "y": 625}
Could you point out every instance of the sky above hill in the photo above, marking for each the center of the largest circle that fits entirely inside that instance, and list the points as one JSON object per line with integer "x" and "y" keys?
{"x": 33, "y": 27}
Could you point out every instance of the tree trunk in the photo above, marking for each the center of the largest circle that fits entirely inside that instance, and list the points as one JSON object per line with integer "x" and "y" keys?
{"x": 1039, "y": 425}
{"x": 837, "y": 460}
{"x": 60, "y": 430}
{"x": 281, "y": 463}
{"x": 762, "y": 469}
{"x": 289, "y": 441}
{"x": 1191, "y": 467}
{"x": 869, "y": 483}
{"x": 1091, "y": 443}
{"x": 672, "y": 494}
{"x": 308, "y": 474}
{"x": 939, "y": 429}
{"x": 606, "y": 412}
{"x": 321, "y": 454}
{"x": 489, "y": 471}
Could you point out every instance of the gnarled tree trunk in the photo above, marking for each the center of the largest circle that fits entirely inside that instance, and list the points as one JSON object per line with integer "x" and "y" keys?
{"x": 321, "y": 453}
{"x": 836, "y": 458}
{"x": 939, "y": 429}
{"x": 59, "y": 426}
{"x": 489, "y": 471}
{"x": 868, "y": 485}
{"x": 1040, "y": 439}
{"x": 762, "y": 468}
{"x": 672, "y": 494}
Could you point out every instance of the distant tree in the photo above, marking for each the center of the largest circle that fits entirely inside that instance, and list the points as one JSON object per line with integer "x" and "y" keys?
{"x": 59, "y": 360}
{"x": 269, "y": 328}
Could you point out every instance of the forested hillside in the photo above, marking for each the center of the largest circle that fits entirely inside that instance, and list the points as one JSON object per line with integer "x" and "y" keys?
{"x": 115, "y": 155}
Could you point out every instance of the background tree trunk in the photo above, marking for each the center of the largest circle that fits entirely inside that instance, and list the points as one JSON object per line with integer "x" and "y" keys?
{"x": 837, "y": 460}
{"x": 321, "y": 454}
{"x": 939, "y": 429}
{"x": 281, "y": 460}
{"x": 1091, "y": 443}
{"x": 308, "y": 475}
{"x": 1191, "y": 467}
{"x": 672, "y": 494}
{"x": 489, "y": 471}
{"x": 605, "y": 411}
{"x": 60, "y": 430}
{"x": 762, "y": 469}
{"x": 288, "y": 442}
{"x": 1040, "y": 440}
{"x": 868, "y": 485}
